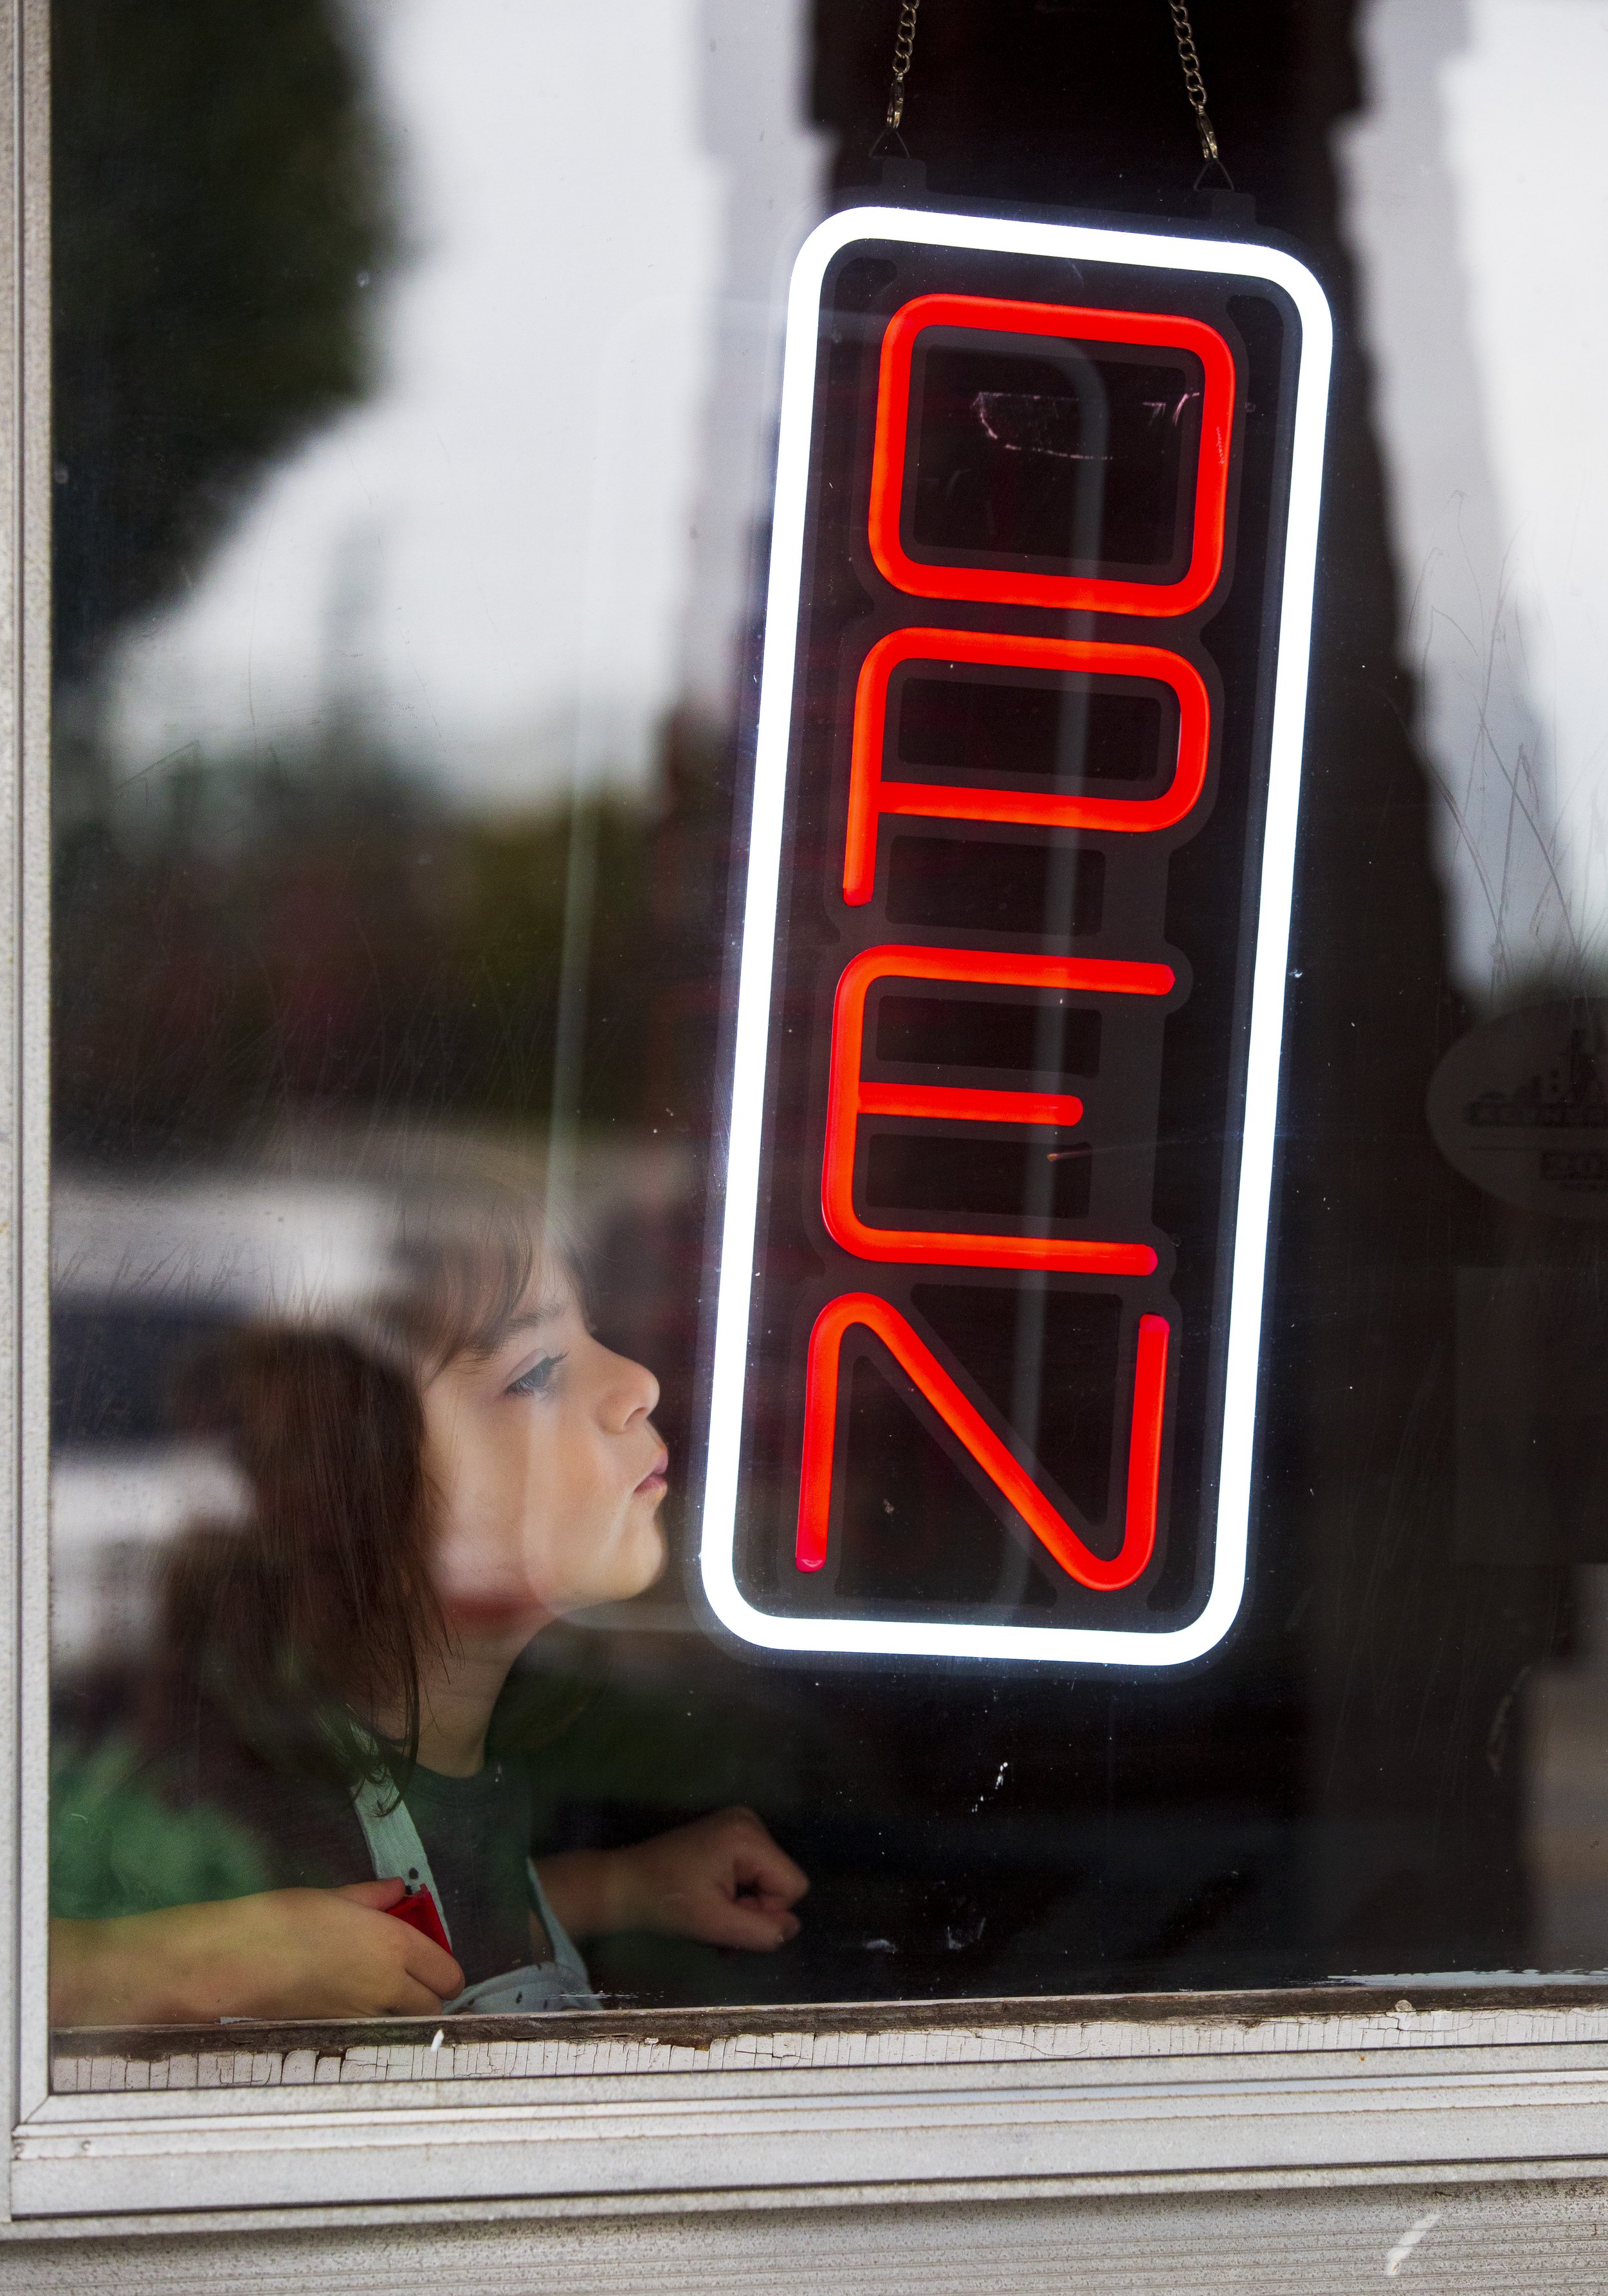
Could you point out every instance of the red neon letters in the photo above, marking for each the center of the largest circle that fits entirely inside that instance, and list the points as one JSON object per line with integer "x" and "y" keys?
{"x": 850, "y": 1097}
{"x": 871, "y": 796}
{"x": 989, "y": 314}
{"x": 963, "y": 1419}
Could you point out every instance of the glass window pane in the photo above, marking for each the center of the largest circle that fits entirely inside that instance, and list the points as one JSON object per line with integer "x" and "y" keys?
{"x": 417, "y": 402}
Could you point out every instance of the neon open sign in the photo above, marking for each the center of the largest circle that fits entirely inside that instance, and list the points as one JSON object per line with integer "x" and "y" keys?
{"x": 1014, "y": 941}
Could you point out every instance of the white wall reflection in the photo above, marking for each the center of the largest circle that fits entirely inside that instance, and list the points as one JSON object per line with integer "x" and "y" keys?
{"x": 1478, "y": 209}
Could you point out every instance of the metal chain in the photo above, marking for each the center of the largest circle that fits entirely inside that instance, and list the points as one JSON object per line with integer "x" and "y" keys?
{"x": 1194, "y": 87}
{"x": 904, "y": 44}
{"x": 1183, "y": 32}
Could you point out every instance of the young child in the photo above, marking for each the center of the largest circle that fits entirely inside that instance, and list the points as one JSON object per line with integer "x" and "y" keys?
{"x": 322, "y": 1737}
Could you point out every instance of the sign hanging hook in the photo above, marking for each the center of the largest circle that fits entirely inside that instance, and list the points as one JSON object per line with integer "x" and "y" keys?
{"x": 1194, "y": 87}
{"x": 904, "y": 46}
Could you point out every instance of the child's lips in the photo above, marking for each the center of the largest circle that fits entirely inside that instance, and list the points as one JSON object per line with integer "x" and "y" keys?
{"x": 654, "y": 1479}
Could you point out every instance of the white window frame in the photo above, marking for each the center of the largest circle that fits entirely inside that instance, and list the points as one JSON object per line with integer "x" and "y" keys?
{"x": 983, "y": 2099}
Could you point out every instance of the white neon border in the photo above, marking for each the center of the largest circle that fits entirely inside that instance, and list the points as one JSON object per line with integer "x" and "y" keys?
{"x": 738, "y": 1274}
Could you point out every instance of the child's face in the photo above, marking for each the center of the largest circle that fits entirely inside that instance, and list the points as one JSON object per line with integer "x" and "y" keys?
{"x": 547, "y": 1470}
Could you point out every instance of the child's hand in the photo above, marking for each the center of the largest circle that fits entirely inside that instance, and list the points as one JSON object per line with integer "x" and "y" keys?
{"x": 721, "y": 1880}
{"x": 286, "y": 1953}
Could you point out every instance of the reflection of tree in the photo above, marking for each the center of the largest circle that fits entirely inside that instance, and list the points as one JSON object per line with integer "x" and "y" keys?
{"x": 219, "y": 202}
{"x": 329, "y": 939}
{"x": 236, "y": 941}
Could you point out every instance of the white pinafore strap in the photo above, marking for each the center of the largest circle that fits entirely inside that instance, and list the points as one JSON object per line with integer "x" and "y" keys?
{"x": 395, "y": 1846}
{"x": 393, "y": 1840}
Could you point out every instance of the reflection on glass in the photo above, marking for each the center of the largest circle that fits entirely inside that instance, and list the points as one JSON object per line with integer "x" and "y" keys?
{"x": 410, "y": 480}
{"x": 1076, "y": 459}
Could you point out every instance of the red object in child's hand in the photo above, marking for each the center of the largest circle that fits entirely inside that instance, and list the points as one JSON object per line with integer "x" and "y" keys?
{"x": 418, "y": 1910}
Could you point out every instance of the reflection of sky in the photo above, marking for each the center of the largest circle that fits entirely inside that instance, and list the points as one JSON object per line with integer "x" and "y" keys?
{"x": 1480, "y": 207}
{"x": 498, "y": 554}
{"x": 492, "y": 557}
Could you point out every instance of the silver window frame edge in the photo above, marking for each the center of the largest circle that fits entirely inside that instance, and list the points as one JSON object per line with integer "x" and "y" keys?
{"x": 734, "y": 2200}
{"x": 25, "y": 467}
{"x": 694, "y": 2141}
{"x": 699, "y": 2147}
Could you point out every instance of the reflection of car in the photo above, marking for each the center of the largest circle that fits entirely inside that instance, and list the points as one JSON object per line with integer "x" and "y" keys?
{"x": 140, "y": 1275}
{"x": 113, "y": 1509}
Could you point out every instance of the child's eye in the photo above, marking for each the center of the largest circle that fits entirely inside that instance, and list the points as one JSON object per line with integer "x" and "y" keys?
{"x": 538, "y": 1379}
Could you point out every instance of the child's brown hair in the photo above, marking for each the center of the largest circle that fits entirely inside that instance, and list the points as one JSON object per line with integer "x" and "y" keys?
{"x": 317, "y": 1614}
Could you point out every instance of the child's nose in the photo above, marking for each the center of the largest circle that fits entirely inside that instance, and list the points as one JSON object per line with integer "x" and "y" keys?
{"x": 631, "y": 1391}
